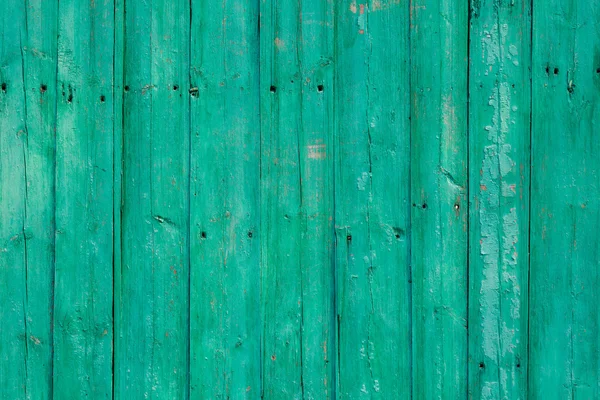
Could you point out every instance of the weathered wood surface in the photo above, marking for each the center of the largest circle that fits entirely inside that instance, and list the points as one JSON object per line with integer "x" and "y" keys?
{"x": 499, "y": 153}
{"x": 299, "y": 200}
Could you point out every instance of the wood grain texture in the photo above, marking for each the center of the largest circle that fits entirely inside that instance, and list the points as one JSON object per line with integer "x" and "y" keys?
{"x": 297, "y": 199}
{"x": 84, "y": 202}
{"x": 439, "y": 40}
{"x": 27, "y": 161}
{"x": 152, "y": 336}
{"x": 564, "y": 313}
{"x": 306, "y": 200}
{"x": 499, "y": 132}
{"x": 225, "y": 234}
{"x": 372, "y": 197}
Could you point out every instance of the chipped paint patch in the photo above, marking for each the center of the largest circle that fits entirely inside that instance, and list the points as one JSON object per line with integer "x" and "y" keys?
{"x": 316, "y": 151}
{"x": 361, "y": 181}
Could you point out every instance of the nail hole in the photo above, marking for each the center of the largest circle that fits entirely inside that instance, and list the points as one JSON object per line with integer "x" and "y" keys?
{"x": 203, "y": 235}
{"x": 598, "y": 70}
{"x": 555, "y": 71}
{"x": 547, "y": 70}
{"x": 175, "y": 87}
{"x": 4, "y": 87}
{"x": 127, "y": 88}
{"x": 102, "y": 99}
{"x": 518, "y": 365}
{"x": 320, "y": 88}
{"x": 43, "y": 88}
{"x": 456, "y": 207}
{"x": 481, "y": 365}
{"x": 70, "y": 98}
{"x": 424, "y": 206}
{"x": 273, "y": 89}
{"x": 349, "y": 238}
{"x": 397, "y": 236}
{"x": 250, "y": 234}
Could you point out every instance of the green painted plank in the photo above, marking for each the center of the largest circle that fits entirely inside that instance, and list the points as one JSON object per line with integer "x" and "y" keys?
{"x": 84, "y": 201}
{"x": 297, "y": 199}
{"x": 224, "y": 198}
{"x": 565, "y": 200}
{"x": 40, "y": 58}
{"x": 152, "y": 330}
{"x": 13, "y": 206}
{"x": 372, "y": 199}
{"x": 499, "y": 131}
{"x": 438, "y": 196}
{"x": 27, "y": 119}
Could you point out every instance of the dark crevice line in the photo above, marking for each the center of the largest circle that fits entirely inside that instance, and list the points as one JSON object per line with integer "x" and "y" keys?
{"x": 115, "y": 210}
{"x": 54, "y": 173}
{"x": 25, "y": 145}
{"x": 334, "y": 324}
{"x": 468, "y": 198}
{"x": 299, "y": 134}
{"x": 261, "y": 236}
{"x": 188, "y": 383}
{"x": 530, "y": 198}
{"x": 499, "y": 316}
{"x": 301, "y": 97}
{"x": 411, "y": 329}
{"x": 223, "y": 277}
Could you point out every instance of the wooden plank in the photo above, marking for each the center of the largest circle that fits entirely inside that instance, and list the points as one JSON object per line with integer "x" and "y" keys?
{"x": 439, "y": 37}
{"x": 564, "y": 312}
{"x": 13, "y": 196}
{"x": 499, "y": 132}
{"x": 224, "y": 239}
{"x": 153, "y": 327}
{"x": 40, "y": 61}
{"x": 297, "y": 199}
{"x": 84, "y": 201}
{"x": 372, "y": 199}
{"x": 27, "y": 121}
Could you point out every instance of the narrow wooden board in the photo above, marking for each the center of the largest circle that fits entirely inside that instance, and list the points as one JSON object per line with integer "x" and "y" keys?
{"x": 372, "y": 199}
{"x": 225, "y": 234}
{"x": 152, "y": 330}
{"x": 28, "y": 40}
{"x": 565, "y": 201}
{"x": 84, "y": 201}
{"x": 499, "y": 146}
{"x": 439, "y": 42}
{"x": 297, "y": 199}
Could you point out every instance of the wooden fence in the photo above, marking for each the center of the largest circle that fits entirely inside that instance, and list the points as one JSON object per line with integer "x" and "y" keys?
{"x": 312, "y": 199}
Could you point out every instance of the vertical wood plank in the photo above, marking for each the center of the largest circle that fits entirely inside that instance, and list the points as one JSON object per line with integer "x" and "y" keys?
{"x": 564, "y": 312}
{"x": 372, "y": 195}
{"x": 499, "y": 132}
{"x": 13, "y": 185}
{"x": 153, "y": 325}
{"x": 84, "y": 201}
{"x": 439, "y": 37}
{"x": 297, "y": 199}
{"x": 27, "y": 121}
{"x": 39, "y": 48}
{"x": 225, "y": 252}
